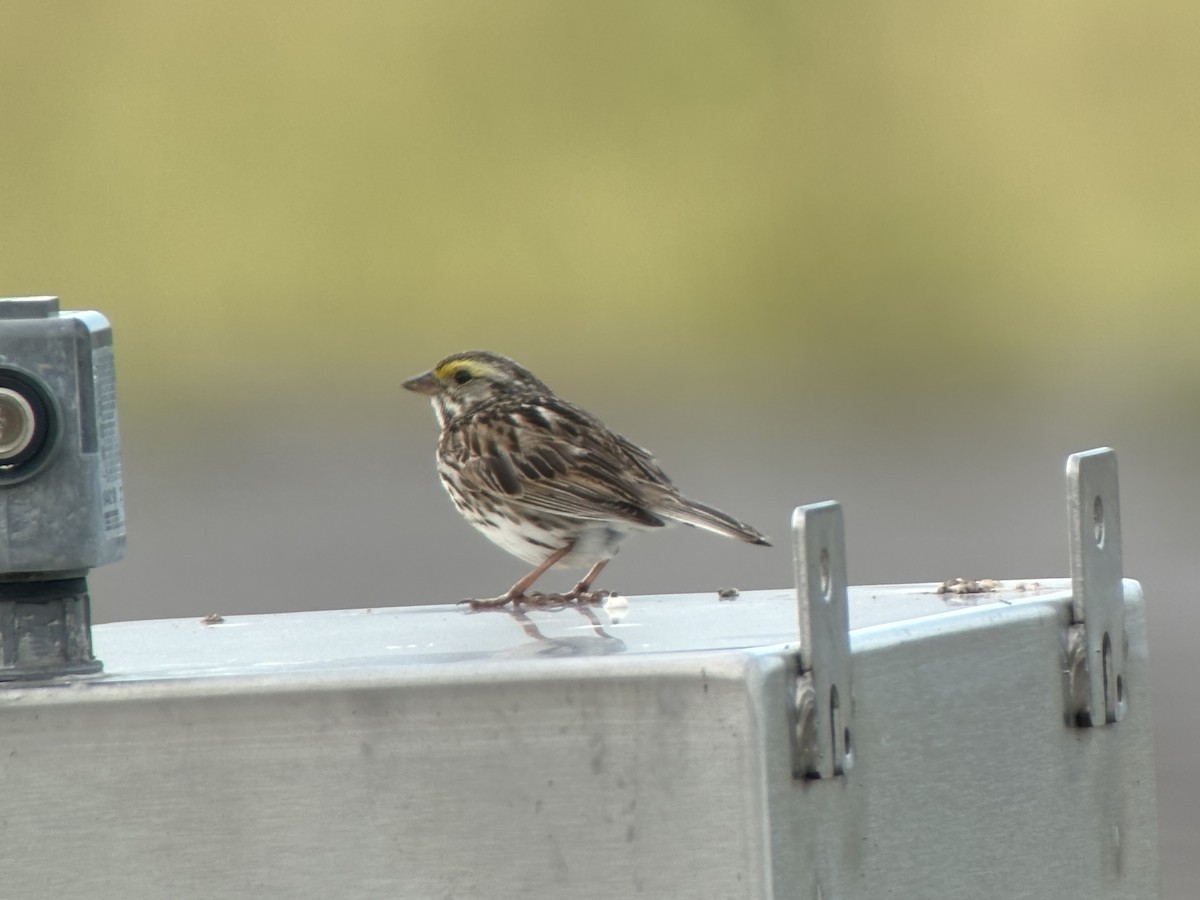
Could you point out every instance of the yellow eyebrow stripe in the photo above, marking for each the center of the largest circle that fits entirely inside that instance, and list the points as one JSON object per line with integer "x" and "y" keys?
{"x": 446, "y": 370}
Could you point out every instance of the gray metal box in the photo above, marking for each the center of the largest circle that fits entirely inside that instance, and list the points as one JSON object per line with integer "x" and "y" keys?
{"x": 641, "y": 749}
{"x": 63, "y": 512}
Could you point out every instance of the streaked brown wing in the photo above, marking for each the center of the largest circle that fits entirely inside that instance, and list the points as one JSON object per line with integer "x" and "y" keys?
{"x": 563, "y": 463}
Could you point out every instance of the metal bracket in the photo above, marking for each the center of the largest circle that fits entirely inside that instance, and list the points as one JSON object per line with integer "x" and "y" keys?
{"x": 823, "y": 700}
{"x": 1096, "y": 641}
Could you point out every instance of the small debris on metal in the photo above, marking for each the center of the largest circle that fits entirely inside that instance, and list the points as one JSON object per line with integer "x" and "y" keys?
{"x": 616, "y": 606}
{"x": 1028, "y": 586}
{"x": 969, "y": 586}
{"x": 212, "y": 619}
{"x": 727, "y": 594}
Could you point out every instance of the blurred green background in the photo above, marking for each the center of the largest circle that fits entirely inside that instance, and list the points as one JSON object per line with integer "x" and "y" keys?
{"x": 908, "y": 256}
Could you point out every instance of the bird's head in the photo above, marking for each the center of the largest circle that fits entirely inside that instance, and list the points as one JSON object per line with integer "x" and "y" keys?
{"x": 465, "y": 382}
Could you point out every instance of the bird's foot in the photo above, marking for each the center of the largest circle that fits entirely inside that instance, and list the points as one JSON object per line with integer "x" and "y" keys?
{"x": 591, "y": 598}
{"x": 573, "y": 597}
{"x": 494, "y": 602}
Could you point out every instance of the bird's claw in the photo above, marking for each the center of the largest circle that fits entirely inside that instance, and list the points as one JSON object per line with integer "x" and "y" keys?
{"x": 491, "y": 603}
{"x": 573, "y": 597}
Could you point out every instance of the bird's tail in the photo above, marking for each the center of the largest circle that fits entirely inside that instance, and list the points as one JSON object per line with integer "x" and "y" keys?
{"x": 689, "y": 512}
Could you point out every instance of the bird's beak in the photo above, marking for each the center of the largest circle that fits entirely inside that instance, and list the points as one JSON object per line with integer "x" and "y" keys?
{"x": 422, "y": 384}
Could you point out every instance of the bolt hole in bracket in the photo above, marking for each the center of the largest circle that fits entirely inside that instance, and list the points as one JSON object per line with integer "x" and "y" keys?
{"x": 823, "y": 706}
{"x": 1096, "y": 639}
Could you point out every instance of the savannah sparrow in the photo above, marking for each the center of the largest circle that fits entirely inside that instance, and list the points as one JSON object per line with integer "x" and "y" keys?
{"x": 545, "y": 480}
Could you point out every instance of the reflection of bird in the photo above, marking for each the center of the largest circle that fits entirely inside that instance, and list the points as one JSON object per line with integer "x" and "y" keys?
{"x": 601, "y": 643}
{"x": 545, "y": 480}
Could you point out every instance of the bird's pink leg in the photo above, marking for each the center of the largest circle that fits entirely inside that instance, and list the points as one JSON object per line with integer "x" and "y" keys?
{"x": 581, "y": 590}
{"x": 516, "y": 593}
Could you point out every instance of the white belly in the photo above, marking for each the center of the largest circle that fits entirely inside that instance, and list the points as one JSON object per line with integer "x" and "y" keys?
{"x": 593, "y": 541}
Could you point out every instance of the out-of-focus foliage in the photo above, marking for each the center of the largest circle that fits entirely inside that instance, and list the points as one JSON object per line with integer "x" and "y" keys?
{"x": 995, "y": 193}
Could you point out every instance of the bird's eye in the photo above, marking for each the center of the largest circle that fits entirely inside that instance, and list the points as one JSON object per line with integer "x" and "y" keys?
{"x": 462, "y": 376}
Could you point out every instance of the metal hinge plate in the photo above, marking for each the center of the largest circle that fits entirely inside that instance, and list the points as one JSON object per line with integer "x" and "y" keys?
{"x": 823, "y": 702}
{"x": 1096, "y": 641}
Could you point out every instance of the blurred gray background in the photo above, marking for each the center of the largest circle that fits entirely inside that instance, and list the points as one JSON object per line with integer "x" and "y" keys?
{"x": 904, "y": 257}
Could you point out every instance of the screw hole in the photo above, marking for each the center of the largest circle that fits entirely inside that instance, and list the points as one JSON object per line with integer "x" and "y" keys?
{"x": 835, "y": 730}
{"x": 1098, "y": 521}
{"x": 826, "y": 578}
{"x": 1113, "y": 686}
